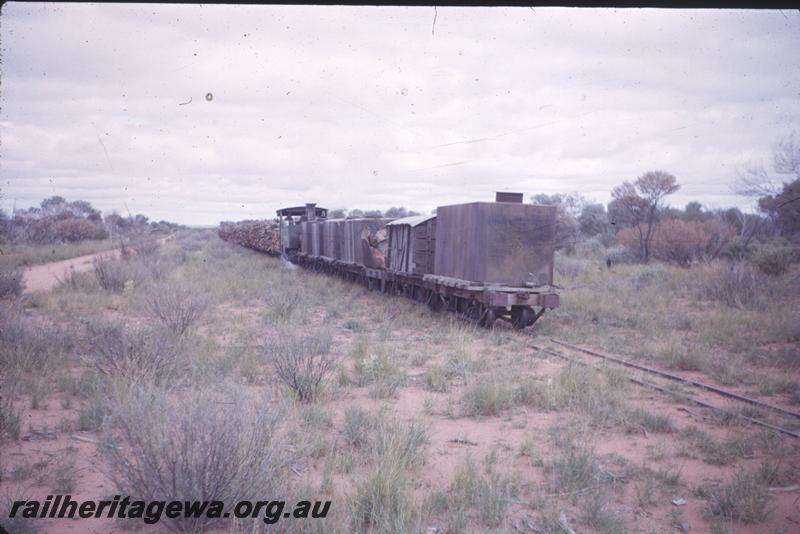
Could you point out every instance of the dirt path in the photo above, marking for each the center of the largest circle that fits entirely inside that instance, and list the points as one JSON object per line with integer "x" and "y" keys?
{"x": 46, "y": 276}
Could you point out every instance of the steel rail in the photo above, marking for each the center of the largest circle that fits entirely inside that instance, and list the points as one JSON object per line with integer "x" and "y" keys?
{"x": 677, "y": 378}
{"x": 685, "y": 398}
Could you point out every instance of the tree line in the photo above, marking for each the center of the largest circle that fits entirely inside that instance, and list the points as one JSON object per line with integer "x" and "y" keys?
{"x": 58, "y": 220}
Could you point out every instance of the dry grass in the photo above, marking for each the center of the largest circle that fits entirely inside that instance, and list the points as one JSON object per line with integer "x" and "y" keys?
{"x": 744, "y": 499}
{"x": 384, "y": 381}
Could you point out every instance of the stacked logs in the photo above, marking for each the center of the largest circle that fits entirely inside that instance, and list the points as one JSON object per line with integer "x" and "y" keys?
{"x": 263, "y": 236}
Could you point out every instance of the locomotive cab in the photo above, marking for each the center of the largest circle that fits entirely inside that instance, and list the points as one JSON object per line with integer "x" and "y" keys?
{"x": 290, "y": 221}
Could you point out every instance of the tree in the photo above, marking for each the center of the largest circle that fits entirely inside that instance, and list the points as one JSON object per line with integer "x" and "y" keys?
{"x": 569, "y": 206}
{"x": 53, "y": 205}
{"x": 593, "y": 219}
{"x": 339, "y": 213}
{"x": 694, "y": 212}
{"x": 777, "y": 192}
{"x": 784, "y": 209}
{"x": 399, "y": 213}
{"x": 638, "y": 204}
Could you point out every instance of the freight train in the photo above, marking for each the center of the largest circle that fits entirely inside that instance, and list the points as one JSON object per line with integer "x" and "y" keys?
{"x": 483, "y": 261}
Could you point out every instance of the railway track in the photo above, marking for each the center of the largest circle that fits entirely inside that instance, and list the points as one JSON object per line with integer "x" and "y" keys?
{"x": 661, "y": 381}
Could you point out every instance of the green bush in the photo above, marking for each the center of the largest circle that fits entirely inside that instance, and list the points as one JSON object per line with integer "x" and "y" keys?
{"x": 10, "y": 283}
{"x": 773, "y": 259}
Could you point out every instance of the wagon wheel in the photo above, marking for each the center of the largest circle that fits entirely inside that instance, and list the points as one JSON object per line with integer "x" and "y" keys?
{"x": 489, "y": 318}
{"x": 435, "y": 302}
{"x": 420, "y": 294}
{"x": 474, "y": 312}
{"x": 521, "y": 317}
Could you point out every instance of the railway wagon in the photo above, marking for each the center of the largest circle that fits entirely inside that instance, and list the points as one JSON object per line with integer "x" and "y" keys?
{"x": 483, "y": 261}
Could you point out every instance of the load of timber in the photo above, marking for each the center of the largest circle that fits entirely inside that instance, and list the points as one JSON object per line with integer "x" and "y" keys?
{"x": 263, "y": 235}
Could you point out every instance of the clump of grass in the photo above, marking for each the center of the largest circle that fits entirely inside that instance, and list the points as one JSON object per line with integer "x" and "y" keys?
{"x": 358, "y": 425}
{"x": 354, "y": 325}
{"x": 436, "y": 380}
{"x": 487, "y": 396}
{"x": 65, "y": 478}
{"x": 489, "y": 494}
{"x": 302, "y": 361}
{"x": 146, "y": 248}
{"x": 597, "y": 514}
{"x": 530, "y": 392}
{"x": 719, "y": 453}
{"x": 177, "y": 307}
{"x": 113, "y": 274}
{"x": 205, "y": 444}
{"x": 74, "y": 280}
{"x": 134, "y": 353}
{"x": 575, "y": 467}
{"x": 26, "y": 344}
{"x": 284, "y": 301}
{"x": 736, "y": 284}
{"x": 387, "y": 387}
{"x": 597, "y": 394}
{"x": 10, "y": 417}
{"x": 376, "y": 366}
{"x": 680, "y": 358}
{"x": 383, "y": 501}
{"x": 744, "y": 499}
{"x": 93, "y": 411}
{"x": 642, "y": 419}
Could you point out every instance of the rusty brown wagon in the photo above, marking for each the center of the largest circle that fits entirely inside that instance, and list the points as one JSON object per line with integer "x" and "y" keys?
{"x": 483, "y": 261}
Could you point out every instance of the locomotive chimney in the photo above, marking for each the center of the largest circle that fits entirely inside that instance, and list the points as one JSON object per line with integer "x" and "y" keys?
{"x": 311, "y": 212}
{"x": 508, "y": 197}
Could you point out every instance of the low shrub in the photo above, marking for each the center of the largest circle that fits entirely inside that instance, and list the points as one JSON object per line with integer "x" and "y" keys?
{"x": 10, "y": 283}
{"x": 147, "y": 247}
{"x": 177, "y": 307}
{"x": 302, "y": 361}
{"x": 682, "y": 242}
{"x": 113, "y": 274}
{"x": 10, "y": 426}
{"x": 209, "y": 444}
{"x": 734, "y": 283}
{"x": 590, "y": 248}
{"x": 26, "y": 345}
{"x": 772, "y": 259}
{"x": 135, "y": 352}
{"x": 622, "y": 255}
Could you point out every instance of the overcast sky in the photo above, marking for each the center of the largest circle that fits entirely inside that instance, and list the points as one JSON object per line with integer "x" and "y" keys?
{"x": 373, "y": 107}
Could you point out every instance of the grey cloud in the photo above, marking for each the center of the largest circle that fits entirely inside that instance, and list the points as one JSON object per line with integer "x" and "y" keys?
{"x": 364, "y": 107}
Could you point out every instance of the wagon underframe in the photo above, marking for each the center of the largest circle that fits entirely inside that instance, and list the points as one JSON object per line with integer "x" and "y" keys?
{"x": 483, "y": 304}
